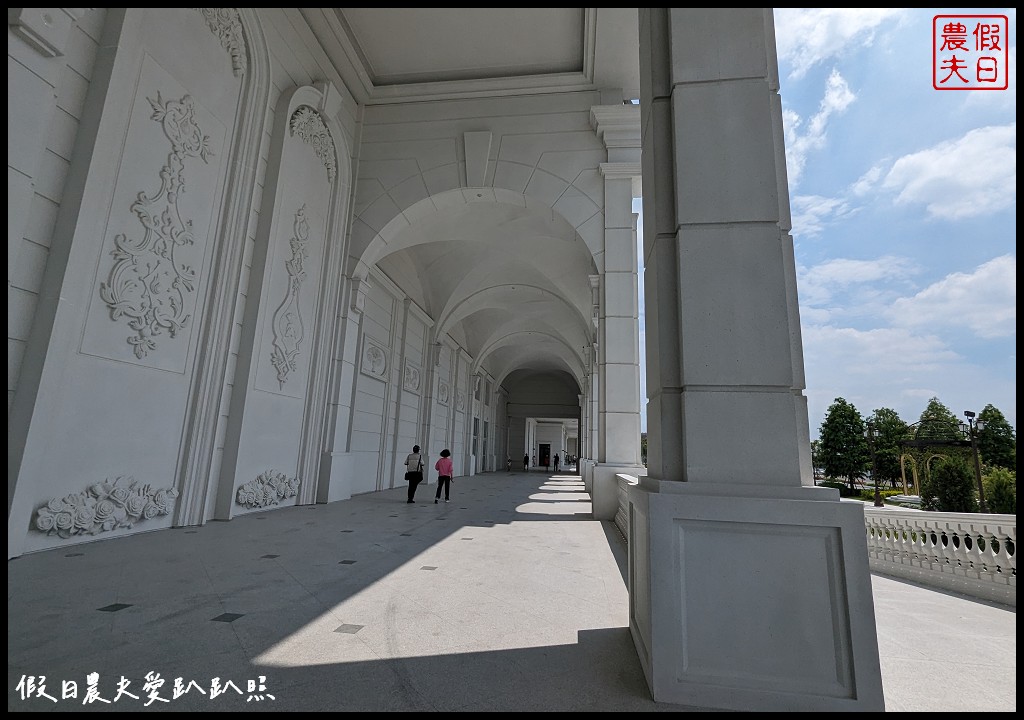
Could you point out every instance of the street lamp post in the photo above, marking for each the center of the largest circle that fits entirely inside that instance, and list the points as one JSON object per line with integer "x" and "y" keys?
{"x": 869, "y": 433}
{"x": 973, "y": 428}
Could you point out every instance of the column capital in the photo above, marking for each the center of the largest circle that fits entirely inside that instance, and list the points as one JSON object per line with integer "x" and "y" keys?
{"x": 618, "y": 126}
{"x": 620, "y": 170}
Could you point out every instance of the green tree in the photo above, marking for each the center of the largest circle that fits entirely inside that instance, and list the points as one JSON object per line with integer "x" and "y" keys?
{"x": 938, "y": 422}
{"x": 1001, "y": 490}
{"x": 950, "y": 487}
{"x": 844, "y": 449}
{"x": 889, "y": 430}
{"x": 997, "y": 442}
{"x": 815, "y": 457}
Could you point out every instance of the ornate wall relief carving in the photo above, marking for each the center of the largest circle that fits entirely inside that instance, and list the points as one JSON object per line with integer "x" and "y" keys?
{"x": 267, "y": 489}
{"x": 460, "y": 402}
{"x": 374, "y": 360}
{"x": 149, "y": 283}
{"x": 443, "y": 393}
{"x": 287, "y": 323}
{"x": 103, "y": 507}
{"x": 309, "y": 126}
{"x": 411, "y": 380}
{"x": 226, "y": 25}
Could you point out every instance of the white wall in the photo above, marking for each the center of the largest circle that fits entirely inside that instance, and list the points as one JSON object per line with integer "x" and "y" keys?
{"x": 125, "y": 353}
{"x": 204, "y": 411}
{"x": 46, "y": 98}
{"x": 553, "y": 434}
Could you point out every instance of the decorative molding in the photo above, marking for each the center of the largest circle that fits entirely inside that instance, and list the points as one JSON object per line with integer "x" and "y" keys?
{"x": 443, "y": 393}
{"x": 45, "y": 29}
{"x": 620, "y": 170}
{"x": 374, "y": 360}
{"x": 307, "y": 123}
{"x": 595, "y": 299}
{"x": 411, "y": 376}
{"x": 267, "y": 489}
{"x": 103, "y": 507}
{"x": 287, "y": 323}
{"x": 360, "y": 286}
{"x": 460, "y": 402}
{"x": 148, "y": 282}
{"x": 478, "y": 150}
{"x": 227, "y": 26}
{"x": 198, "y": 461}
{"x": 618, "y": 126}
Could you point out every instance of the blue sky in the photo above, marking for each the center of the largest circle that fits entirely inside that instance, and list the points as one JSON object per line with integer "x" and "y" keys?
{"x": 904, "y": 215}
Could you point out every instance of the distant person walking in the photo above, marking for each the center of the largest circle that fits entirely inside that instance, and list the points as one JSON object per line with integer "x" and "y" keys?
{"x": 526, "y": 463}
{"x": 414, "y": 474}
{"x": 508, "y": 463}
{"x": 556, "y": 462}
{"x": 444, "y": 475}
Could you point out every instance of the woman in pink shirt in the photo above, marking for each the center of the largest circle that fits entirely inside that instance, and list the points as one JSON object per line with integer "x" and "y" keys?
{"x": 444, "y": 475}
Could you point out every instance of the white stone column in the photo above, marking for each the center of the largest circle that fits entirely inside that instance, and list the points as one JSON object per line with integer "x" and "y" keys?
{"x": 618, "y": 351}
{"x": 619, "y": 337}
{"x": 337, "y": 463}
{"x": 427, "y": 431}
{"x": 748, "y": 590}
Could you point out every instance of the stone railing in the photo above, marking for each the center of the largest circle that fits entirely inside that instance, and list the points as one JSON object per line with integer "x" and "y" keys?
{"x": 971, "y": 553}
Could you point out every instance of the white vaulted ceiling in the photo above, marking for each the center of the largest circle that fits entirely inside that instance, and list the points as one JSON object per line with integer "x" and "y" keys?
{"x": 510, "y": 282}
{"x": 400, "y": 54}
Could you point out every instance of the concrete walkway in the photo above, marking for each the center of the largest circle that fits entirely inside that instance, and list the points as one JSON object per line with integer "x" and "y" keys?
{"x": 508, "y": 598}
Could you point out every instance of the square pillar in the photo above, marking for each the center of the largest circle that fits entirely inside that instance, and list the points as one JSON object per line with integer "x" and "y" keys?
{"x": 749, "y": 590}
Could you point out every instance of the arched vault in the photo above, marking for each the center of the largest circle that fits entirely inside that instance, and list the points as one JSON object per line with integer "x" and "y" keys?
{"x": 503, "y": 274}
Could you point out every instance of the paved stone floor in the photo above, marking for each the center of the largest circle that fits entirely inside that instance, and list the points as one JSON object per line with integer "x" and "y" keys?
{"x": 508, "y": 598}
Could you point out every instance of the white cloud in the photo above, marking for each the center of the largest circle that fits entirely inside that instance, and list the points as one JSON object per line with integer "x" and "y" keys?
{"x": 881, "y": 350}
{"x": 972, "y": 175}
{"x": 801, "y": 140}
{"x": 811, "y": 213}
{"x": 814, "y": 315}
{"x": 999, "y": 99}
{"x": 872, "y": 369}
{"x": 895, "y": 368}
{"x": 808, "y": 36}
{"x": 819, "y": 283}
{"x": 866, "y": 182}
{"x": 984, "y": 301}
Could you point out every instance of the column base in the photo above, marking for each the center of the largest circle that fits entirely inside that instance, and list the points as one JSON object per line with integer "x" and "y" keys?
{"x": 752, "y": 598}
{"x": 336, "y": 469}
{"x": 586, "y": 468}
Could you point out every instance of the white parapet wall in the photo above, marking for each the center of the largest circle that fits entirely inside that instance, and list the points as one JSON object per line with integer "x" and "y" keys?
{"x": 624, "y": 482}
{"x": 971, "y": 553}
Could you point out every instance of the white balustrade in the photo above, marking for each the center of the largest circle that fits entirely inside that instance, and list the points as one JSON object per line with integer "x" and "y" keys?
{"x": 972, "y": 553}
